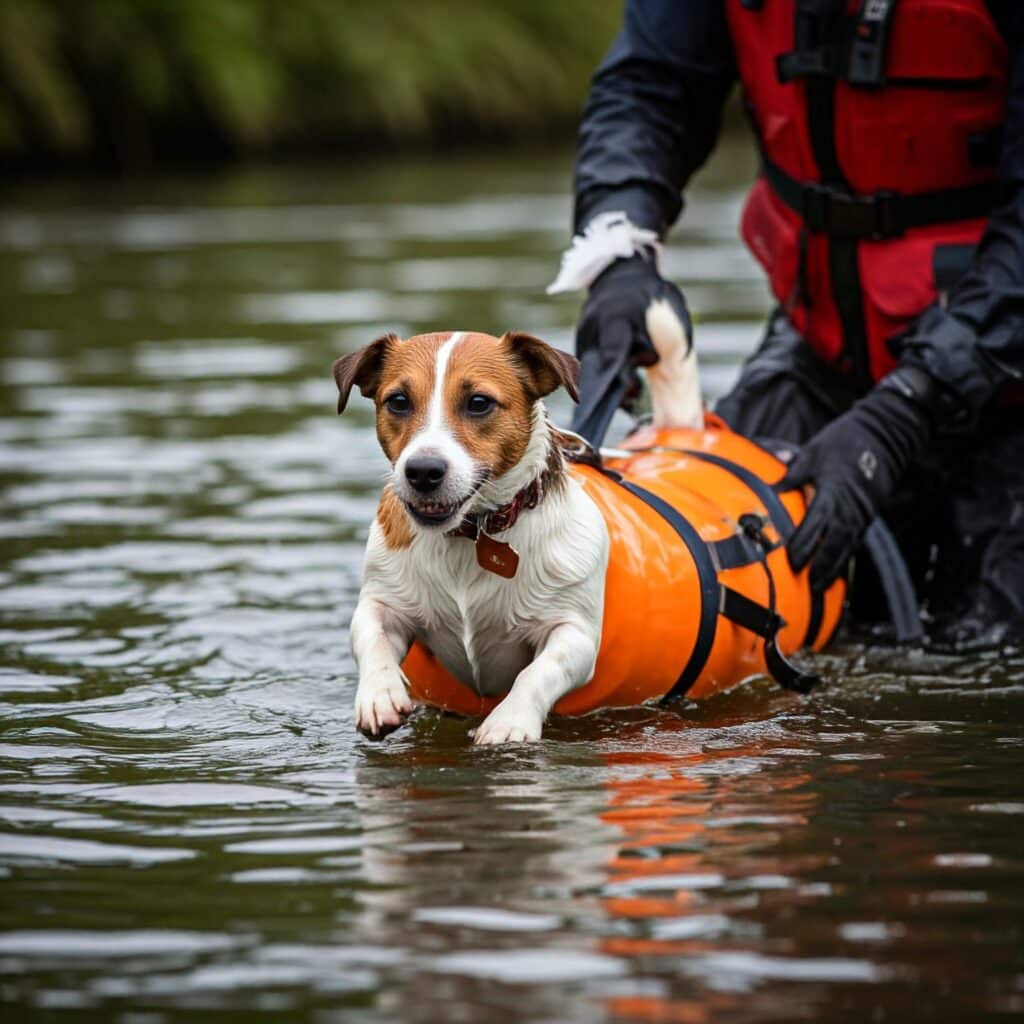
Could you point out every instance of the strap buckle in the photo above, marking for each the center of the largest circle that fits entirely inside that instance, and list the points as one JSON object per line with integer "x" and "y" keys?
{"x": 821, "y": 62}
{"x": 868, "y": 43}
{"x": 841, "y": 215}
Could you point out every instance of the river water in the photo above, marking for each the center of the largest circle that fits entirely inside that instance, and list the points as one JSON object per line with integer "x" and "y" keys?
{"x": 190, "y": 830}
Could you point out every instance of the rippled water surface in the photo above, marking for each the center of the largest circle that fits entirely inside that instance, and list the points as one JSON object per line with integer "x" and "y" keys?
{"x": 190, "y": 829}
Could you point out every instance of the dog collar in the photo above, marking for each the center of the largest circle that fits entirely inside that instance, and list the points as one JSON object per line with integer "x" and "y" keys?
{"x": 494, "y": 555}
{"x": 504, "y": 518}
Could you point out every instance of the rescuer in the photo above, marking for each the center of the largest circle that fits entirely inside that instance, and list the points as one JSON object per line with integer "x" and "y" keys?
{"x": 889, "y": 219}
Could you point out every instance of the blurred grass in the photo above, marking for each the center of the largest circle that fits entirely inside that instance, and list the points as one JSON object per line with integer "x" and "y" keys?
{"x": 133, "y": 83}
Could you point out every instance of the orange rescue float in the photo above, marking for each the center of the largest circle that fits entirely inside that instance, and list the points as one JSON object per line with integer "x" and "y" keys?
{"x": 672, "y": 604}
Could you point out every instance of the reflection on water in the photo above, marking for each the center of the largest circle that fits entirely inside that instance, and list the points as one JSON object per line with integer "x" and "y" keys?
{"x": 189, "y": 829}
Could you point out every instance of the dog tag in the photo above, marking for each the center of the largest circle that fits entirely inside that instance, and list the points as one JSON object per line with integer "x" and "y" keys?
{"x": 496, "y": 556}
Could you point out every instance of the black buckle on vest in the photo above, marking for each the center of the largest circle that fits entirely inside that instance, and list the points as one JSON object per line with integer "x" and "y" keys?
{"x": 821, "y": 62}
{"x": 857, "y": 56}
{"x": 840, "y": 215}
{"x": 867, "y": 47}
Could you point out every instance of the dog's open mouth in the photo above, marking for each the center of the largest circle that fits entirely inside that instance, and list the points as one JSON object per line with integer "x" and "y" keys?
{"x": 436, "y": 513}
{"x": 432, "y": 514}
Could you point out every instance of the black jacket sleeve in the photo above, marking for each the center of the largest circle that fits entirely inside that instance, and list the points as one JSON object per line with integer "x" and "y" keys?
{"x": 975, "y": 344}
{"x": 654, "y": 110}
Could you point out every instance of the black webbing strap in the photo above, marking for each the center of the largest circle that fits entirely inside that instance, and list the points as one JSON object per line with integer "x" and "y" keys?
{"x": 780, "y": 518}
{"x": 818, "y": 40}
{"x": 717, "y": 599}
{"x": 766, "y": 623}
{"x": 745, "y": 612}
{"x": 728, "y": 552}
{"x": 706, "y": 577}
{"x": 838, "y": 214}
{"x": 851, "y": 50}
{"x": 734, "y": 552}
{"x": 820, "y": 62}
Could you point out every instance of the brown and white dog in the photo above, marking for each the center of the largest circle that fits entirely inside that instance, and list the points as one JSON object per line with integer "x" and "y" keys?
{"x": 461, "y": 418}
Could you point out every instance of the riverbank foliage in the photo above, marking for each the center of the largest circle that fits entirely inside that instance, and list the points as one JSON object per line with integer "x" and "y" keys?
{"x": 134, "y": 83}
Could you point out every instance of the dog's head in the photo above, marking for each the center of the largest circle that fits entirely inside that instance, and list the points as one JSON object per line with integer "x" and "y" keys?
{"x": 454, "y": 411}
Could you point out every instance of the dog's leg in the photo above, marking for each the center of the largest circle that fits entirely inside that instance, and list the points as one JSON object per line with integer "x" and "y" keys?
{"x": 673, "y": 380}
{"x": 563, "y": 663}
{"x": 380, "y": 641}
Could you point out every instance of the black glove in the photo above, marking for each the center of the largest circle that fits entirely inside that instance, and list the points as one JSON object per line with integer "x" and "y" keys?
{"x": 611, "y": 339}
{"x": 855, "y": 464}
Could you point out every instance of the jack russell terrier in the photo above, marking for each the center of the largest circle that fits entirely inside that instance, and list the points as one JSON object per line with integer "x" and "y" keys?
{"x": 516, "y": 617}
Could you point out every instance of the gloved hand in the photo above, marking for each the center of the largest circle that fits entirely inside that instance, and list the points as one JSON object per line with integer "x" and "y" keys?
{"x": 612, "y": 339}
{"x": 855, "y": 464}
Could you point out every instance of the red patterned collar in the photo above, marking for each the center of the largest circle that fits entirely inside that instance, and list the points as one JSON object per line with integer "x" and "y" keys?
{"x": 500, "y": 519}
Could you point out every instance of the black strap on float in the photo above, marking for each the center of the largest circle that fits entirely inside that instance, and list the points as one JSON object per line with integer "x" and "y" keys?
{"x": 840, "y": 214}
{"x": 706, "y": 577}
{"x": 749, "y": 614}
{"x": 879, "y": 544}
{"x": 736, "y": 551}
{"x": 766, "y": 623}
{"x": 778, "y": 516}
{"x": 749, "y": 546}
{"x": 717, "y": 599}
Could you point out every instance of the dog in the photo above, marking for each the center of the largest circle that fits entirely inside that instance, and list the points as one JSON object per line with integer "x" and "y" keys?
{"x": 516, "y": 617}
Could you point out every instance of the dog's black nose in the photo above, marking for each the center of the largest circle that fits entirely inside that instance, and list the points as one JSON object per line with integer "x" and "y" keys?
{"x": 425, "y": 472}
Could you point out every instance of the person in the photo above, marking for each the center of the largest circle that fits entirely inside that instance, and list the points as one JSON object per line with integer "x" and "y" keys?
{"x": 888, "y": 216}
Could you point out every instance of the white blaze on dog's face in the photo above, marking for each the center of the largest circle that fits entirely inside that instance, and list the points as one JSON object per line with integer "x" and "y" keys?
{"x": 454, "y": 411}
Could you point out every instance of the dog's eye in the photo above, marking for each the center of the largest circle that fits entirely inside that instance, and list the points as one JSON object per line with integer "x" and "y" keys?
{"x": 398, "y": 403}
{"x": 479, "y": 405}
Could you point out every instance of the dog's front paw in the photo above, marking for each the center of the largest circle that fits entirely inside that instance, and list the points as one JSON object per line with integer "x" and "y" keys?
{"x": 509, "y": 722}
{"x": 382, "y": 705}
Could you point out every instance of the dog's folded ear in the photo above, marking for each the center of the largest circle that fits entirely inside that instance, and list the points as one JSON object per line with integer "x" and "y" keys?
{"x": 547, "y": 368}
{"x": 362, "y": 368}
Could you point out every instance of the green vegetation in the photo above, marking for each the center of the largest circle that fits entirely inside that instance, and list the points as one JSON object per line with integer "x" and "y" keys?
{"x": 131, "y": 83}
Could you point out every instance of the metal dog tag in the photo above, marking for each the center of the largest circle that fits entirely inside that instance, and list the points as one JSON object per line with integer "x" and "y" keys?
{"x": 496, "y": 556}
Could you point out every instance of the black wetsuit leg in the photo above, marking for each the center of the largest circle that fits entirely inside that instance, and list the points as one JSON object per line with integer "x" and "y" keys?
{"x": 977, "y": 587}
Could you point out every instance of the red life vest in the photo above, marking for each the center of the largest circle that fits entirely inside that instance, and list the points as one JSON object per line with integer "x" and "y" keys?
{"x": 879, "y": 126}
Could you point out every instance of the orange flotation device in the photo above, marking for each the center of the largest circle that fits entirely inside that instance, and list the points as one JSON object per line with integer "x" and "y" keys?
{"x": 699, "y": 594}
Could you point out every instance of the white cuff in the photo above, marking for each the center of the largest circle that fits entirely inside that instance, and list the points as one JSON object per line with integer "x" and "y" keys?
{"x": 610, "y": 236}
